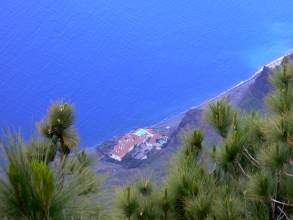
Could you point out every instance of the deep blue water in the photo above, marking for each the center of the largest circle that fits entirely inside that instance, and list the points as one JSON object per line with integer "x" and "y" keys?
{"x": 130, "y": 63}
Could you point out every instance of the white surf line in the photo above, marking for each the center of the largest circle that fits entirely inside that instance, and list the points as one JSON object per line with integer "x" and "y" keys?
{"x": 272, "y": 64}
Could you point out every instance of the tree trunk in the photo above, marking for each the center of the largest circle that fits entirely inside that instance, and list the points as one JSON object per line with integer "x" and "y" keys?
{"x": 62, "y": 148}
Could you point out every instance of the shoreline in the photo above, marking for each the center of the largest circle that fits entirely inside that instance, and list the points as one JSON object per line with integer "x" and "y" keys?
{"x": 178, "y": 116}
{"x": 272, "y": 64}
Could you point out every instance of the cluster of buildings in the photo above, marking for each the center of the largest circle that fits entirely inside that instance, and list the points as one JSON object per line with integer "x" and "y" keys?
{"x": 142, "y": 140}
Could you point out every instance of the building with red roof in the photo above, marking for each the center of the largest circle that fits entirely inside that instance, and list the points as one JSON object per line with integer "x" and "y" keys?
{"x": 128, "y": 142}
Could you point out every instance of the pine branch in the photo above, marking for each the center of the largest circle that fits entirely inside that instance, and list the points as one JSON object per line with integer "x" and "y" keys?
{"x": 251, "y": 156}
{"x": 288, "y": 174}
{"x": 252, "y": 159}
{"x": 284, "y": 214}
{"x": 241, "y": 168}
{"x": 282, "y": 203}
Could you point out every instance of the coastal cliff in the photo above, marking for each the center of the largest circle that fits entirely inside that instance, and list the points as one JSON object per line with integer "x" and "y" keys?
{"x": 248, "y": 95}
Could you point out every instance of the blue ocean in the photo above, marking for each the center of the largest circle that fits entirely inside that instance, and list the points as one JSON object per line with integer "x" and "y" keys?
{"x": 127, "y": 63}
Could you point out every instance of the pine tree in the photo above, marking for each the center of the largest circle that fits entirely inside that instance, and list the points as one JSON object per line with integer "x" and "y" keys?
{"x": 271, "y": 184}
{"x": 253, "y": 172}
{"x": 256, "y": 153}
{"x": 58, "y": 127}
{"x": 127, "y": 202}
{"x": 34, "y": 188}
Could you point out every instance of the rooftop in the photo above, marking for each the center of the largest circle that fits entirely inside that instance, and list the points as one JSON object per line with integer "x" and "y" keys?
{"x": 130, "y": 140}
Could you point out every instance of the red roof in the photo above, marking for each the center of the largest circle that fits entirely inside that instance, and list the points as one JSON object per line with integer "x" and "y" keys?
{"x": 128, "y": 142}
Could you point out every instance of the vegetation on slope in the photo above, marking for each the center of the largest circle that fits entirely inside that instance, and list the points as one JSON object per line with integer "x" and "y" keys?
{"x": 252, "y": 177}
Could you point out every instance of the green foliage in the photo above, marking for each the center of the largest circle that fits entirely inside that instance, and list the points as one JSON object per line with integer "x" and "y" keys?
{"x": 260, "y": 187}
{"x": 252, "y": 126}
{"x": 145, "y": 187}
{"x": 275, "y": 156}
{"x": 192, "y": 144}
{"x": 58, "y": 127}
{"x": 42, "y": 182}
{"x": 147, "y": 210}
{"x": 61, "y": 117}
{"x": 286, "y": 187}
{"x": 228, "y": 206}
{"x": 71, "y": 138}
{"x": 229, "y": 155}
{"x": 164, "y": 204}
{"x": 185, "y": 177}
{"x": 32, "y": 188}
{"x": 279, "y": 128}
{"x": 127, "y": 202}
{"x": 253, "y": 171}
{"x": 181, "y": 188}
{"x": 41, "y": 150}
{"x": 83, "y": 160}
{"x": 199, "y": 207}
{"x": 281, "y": 100}
{"x": 220, "y": 116}
{"x": 141, "y": 201}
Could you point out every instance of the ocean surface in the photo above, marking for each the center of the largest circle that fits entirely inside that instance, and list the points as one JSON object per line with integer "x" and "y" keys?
{"x": 127, "y": 63}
